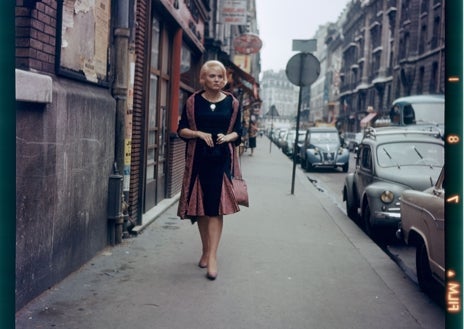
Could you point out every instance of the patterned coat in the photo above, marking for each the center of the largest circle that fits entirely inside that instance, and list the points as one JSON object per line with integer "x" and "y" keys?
{"x": 191, "y": 202}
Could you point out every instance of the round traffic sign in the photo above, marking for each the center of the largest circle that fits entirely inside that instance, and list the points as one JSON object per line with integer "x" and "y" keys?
{"x": 303, "y": 69}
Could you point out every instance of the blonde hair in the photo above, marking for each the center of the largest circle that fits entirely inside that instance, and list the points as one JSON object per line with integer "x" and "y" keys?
{"x": 207, "y": 66}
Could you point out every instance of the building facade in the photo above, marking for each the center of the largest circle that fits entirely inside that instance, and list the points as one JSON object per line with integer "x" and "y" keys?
{"x": 390, "y": 49}
{"x": 278, "y": 93}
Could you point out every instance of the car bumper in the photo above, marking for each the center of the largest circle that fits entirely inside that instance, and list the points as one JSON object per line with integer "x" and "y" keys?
{"x": 387, "y": 218}
{"x": 327, "y": 164}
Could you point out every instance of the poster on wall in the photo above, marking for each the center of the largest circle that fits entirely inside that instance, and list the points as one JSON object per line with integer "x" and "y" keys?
{"x": 84, "y": 42}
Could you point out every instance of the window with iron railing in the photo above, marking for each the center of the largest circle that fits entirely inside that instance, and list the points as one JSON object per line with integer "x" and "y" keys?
{"x": 420, "y": 82}
{"x": 425, "y": 6}
{"x": 433, "y": 78}
{"x": 423, "y": 39}
{"x": 436, "y": 33}
{"x": 405, "y": 14}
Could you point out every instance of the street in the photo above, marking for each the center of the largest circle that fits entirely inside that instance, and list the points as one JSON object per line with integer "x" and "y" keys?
{"x": 288, "y": 261}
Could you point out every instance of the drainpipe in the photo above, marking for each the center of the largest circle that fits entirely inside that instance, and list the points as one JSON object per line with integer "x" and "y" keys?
{"x": 114, "y": 211}
{"x": 120, "y": 89}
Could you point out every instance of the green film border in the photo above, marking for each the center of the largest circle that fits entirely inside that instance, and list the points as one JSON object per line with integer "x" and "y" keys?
{"x": 453, "y": 162}
{"x": 7, "y": 165}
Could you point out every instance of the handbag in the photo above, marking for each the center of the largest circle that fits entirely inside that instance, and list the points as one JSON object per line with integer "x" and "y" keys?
{"x": 240, "y": 191}
{"x": 239, "y": 185}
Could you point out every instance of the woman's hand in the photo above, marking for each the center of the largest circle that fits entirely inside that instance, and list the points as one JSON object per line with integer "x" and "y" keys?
{"x": 208, "y": 138}
{"x": 226, "y": 138}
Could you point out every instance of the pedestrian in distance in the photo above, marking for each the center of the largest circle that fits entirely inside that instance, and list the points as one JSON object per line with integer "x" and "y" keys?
{"x": 252, "y": 133}
{"x": 211, "y": 125}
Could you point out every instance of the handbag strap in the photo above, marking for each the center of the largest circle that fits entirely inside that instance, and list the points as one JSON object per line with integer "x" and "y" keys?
{"x": 236, "y": 172}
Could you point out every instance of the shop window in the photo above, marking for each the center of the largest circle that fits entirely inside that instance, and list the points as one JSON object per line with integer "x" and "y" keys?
{"x": 155, "y": 41}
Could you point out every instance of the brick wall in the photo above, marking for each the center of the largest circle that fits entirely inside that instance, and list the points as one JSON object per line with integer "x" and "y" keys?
{"x": 36, "y": 35}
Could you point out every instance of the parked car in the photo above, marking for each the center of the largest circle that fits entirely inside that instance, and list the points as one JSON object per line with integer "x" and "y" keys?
{"x": 321, "y": 148}
{"x": 289, "y": 143}
{"x": 423, "y": 225}
{"x": 352, "y": 140}
{"x": 390, "y": 161}
{"x": 425, "y": 111}
{"x": 281, "y": 137}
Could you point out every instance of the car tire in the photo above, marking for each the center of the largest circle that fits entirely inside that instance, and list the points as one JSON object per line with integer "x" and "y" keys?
{"x": 424, "y": 273}
{"x": 351, "y": 207}
{"x": 366, "y": 214}
{"x": 345, "y": 167}
{"x": 309, "y": 167}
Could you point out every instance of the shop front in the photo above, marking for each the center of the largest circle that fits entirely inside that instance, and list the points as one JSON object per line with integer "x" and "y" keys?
{"x": 168, "y": 54}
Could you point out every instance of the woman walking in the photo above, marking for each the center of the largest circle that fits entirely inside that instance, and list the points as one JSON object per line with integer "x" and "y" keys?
{"x": 210, "y": 124}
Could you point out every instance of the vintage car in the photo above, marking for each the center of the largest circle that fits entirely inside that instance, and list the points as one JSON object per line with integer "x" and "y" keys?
{"x": 352, "y": 140}
{"x": 425, "y": 111}
{"x": 321, "y": 148}
{"x": 390, "y": 161}
{"x": 423, "y": 226}
{"x": 289, "y": 143}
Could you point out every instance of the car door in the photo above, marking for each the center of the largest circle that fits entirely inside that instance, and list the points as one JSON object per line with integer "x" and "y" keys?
{"x": 365, "y": 169}
{"x": 433, "y": 215}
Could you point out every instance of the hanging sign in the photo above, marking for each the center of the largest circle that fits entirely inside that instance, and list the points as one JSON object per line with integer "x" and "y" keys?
{"x": 247, "y": 44}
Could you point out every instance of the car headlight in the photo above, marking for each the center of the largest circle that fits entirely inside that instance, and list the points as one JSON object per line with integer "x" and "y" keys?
{"x": 387, "y": 196}
{"x": 340, "y": 151}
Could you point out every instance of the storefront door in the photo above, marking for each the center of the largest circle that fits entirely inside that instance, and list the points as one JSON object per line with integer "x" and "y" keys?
{"x": 156, "y": 123}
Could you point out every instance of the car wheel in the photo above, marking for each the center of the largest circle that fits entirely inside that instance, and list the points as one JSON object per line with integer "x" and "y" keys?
{"x": 345, "y": 167}
{"x": 351, "y": 208}
{"x": 424, "y": 273}
{"x": 309, "y": 167}
{"x": 366, "y": 214}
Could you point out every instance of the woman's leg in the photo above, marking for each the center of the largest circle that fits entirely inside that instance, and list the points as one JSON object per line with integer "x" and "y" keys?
{"x": 214, "y": 236}
{"x": 202, "y": 223}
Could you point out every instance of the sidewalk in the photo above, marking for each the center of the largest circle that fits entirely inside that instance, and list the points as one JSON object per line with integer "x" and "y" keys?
{"x": 288, "y": 261}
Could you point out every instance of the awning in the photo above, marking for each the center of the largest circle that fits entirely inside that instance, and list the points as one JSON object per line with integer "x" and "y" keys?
{"x": 368, "y": 118}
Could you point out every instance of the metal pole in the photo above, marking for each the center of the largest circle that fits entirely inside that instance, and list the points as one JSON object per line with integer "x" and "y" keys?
{"x": 272, "y": 128}
{"x": 296, "y": 140}
{"x": 297, "y": 120}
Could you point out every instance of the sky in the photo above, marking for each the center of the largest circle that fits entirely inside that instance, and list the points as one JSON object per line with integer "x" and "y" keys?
{"x": 281, "y": 21}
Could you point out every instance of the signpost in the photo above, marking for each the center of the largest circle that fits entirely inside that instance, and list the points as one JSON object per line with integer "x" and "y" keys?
{"x": 302, "y": 70}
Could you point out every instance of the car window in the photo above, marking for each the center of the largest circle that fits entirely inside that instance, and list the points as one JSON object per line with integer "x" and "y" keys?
{"x": 366, "y": 159}
{"x": 327, "y": 137}
{"x": 408, "y": 115}
{"x": 409, "y": 154}
{"x": 429, "y": 112}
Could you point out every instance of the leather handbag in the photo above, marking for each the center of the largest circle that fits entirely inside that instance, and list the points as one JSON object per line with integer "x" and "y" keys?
{"x": 239, "y": 185}
{"x": 240, "y": 191}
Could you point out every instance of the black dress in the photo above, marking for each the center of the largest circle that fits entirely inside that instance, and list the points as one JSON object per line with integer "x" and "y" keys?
{"x": 210, "y": 164}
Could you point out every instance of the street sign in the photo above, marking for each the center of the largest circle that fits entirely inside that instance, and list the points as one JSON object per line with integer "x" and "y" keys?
{"x": 306, "y": 46}
{"x": 303, "y": 69}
